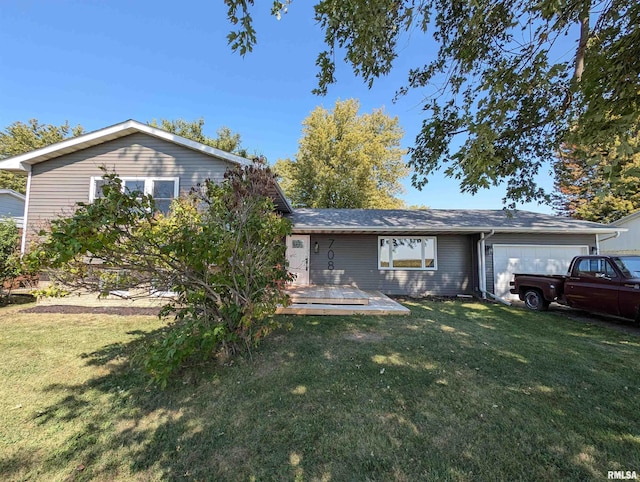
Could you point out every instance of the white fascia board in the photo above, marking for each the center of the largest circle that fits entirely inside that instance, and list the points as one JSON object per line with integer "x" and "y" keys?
{"x": 24, "y": 161}
{"x": 13, "y": 193}
{"x": 284, "y": 198}
{"x": 454, "y": 230}
{"x": 626, "y": 219}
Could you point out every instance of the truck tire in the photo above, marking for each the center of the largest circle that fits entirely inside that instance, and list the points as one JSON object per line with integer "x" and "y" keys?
{"x": 534, "y": 300}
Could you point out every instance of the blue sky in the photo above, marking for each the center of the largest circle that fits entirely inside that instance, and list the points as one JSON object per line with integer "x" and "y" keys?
{"x": 97, "y": 63}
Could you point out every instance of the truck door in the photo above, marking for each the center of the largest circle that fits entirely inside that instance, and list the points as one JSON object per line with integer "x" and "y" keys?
{"x": 593, "y": 285}
{"x": 629, "y": 298}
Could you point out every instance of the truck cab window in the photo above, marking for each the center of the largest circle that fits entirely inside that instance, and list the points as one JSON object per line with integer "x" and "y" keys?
{"x": 598, "y": 268}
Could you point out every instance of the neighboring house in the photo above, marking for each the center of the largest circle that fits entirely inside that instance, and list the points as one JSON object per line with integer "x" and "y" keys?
{"x": 409, "y": 252}
{"x": 625, "y": 242}
{"x": 12, "y": 205}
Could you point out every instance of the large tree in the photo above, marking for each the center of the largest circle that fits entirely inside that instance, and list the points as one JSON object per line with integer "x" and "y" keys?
{"x": 603, "y": 191}
{"x": 503, "y": 91}
{"x": 346, "y": 160}
{"x": 225, "y": 139}
{"x": 19, "y": 138}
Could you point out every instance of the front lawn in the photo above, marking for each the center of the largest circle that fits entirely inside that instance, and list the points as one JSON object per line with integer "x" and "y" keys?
{"x": 456, "y": 391}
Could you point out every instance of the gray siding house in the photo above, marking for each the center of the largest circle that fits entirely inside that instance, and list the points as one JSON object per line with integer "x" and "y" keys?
{"x": 421, "y": 252}
{"x": 12, "y": 205}
{"x": 146, "y": 158}
{"x": 436, "y": 252}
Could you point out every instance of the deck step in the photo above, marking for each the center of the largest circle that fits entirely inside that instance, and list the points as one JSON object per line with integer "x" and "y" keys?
{"x": 305, "y": 300}
{"x": 329, "y": 295}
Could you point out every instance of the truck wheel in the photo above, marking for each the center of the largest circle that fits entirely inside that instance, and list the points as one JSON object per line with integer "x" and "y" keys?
{"x": 534, "y": 300}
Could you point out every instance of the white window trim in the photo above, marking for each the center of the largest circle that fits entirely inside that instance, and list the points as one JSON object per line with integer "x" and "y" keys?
{"x": 148, "y": 184}
{"x": 422, "y": 244}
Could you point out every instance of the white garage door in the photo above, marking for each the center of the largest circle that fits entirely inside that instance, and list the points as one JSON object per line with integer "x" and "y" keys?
{"x": 535, "y": 259}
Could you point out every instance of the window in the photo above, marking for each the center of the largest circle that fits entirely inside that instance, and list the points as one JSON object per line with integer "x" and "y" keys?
{"x": 597, "y": 267}
{"x": 163, "y": 189}
{"x": 407, "y": 253}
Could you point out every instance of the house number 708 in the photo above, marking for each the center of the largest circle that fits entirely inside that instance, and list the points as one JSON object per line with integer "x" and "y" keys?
{"x": 330, "y": 255}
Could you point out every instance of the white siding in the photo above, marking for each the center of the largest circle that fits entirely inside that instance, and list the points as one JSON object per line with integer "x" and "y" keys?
{"x": 626, "y": 243}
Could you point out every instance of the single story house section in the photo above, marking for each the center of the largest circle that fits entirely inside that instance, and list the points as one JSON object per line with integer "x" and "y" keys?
{"x": 625, "y": 242}
{"x": 12, "y": 205}
{"x": 422, "y": 252}
{"x": 434, "y": 252}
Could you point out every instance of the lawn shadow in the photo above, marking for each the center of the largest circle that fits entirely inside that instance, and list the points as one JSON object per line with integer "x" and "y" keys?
{"x": 456, "y": 391}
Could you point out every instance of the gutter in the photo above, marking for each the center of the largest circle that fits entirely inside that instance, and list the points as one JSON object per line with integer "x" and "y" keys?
{"x": 617, "y": 235}
{"x": 444, "y": 229}
{"x": 482, "y": 269}
{"x": 598, "y": 241}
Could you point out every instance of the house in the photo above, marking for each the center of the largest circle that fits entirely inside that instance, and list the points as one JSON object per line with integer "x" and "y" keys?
{"x": 624, "y": 242}
{"x": 12, "y": 205}
{"x": 411, "y": 252}
{"x": 435, "y": 252}
{"x": 146, "y": 158}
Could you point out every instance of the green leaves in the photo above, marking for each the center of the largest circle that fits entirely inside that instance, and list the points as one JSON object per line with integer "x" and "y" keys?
{"x": 346, "y": 160}
{"x": 219, "y": 251}
{"x": 225, "y": 139}
{"x": 10, "y": 265}
{"x": 19, "y": 138}
{"x": 243, "y": 39}
{"x": 508, "y": 84}
{"x": 601, "y": 186}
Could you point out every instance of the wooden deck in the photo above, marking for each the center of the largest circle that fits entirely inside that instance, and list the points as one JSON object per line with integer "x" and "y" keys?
{"x": 340, "y": 300}
{"x": 307, "y": 300}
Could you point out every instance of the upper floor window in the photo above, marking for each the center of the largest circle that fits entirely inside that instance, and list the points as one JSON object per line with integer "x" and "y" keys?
{"x": 418, "y": 252}
{"x": 162, "y": 189}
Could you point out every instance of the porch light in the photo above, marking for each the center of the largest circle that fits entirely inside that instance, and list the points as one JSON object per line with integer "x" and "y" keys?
{"x": 316, "y": 247}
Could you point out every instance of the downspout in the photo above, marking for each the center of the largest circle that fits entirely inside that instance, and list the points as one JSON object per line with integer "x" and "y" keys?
{"x": 482, "y": 262}
{"x": 25, "y": 220}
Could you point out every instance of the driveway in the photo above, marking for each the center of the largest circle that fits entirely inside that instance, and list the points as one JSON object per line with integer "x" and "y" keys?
{"x": 619, "y": 324}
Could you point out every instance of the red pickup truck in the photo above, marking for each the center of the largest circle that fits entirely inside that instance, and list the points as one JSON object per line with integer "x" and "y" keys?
{"x": 599, "y": 284}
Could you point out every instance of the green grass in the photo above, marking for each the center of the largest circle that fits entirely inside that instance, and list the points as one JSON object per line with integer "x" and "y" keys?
{"x": 456, "y": 391}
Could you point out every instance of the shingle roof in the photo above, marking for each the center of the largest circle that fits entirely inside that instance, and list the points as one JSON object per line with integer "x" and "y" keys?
{"x": 438, "y": 220}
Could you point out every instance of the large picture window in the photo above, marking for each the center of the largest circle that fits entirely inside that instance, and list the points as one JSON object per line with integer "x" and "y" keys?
{"x": 163, "y": 189}
{"x": 418, "y": 252}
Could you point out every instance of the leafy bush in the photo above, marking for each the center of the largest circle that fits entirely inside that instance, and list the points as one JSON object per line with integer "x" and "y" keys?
{"x": 10, "y": 266}
{"x": 219, "y": 251}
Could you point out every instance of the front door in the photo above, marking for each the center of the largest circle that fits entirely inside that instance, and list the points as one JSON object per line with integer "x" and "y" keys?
{"x": 298, "y": 258}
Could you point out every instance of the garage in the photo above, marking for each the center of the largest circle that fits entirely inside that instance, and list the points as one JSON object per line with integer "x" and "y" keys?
{"x": 509, "y": 259}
